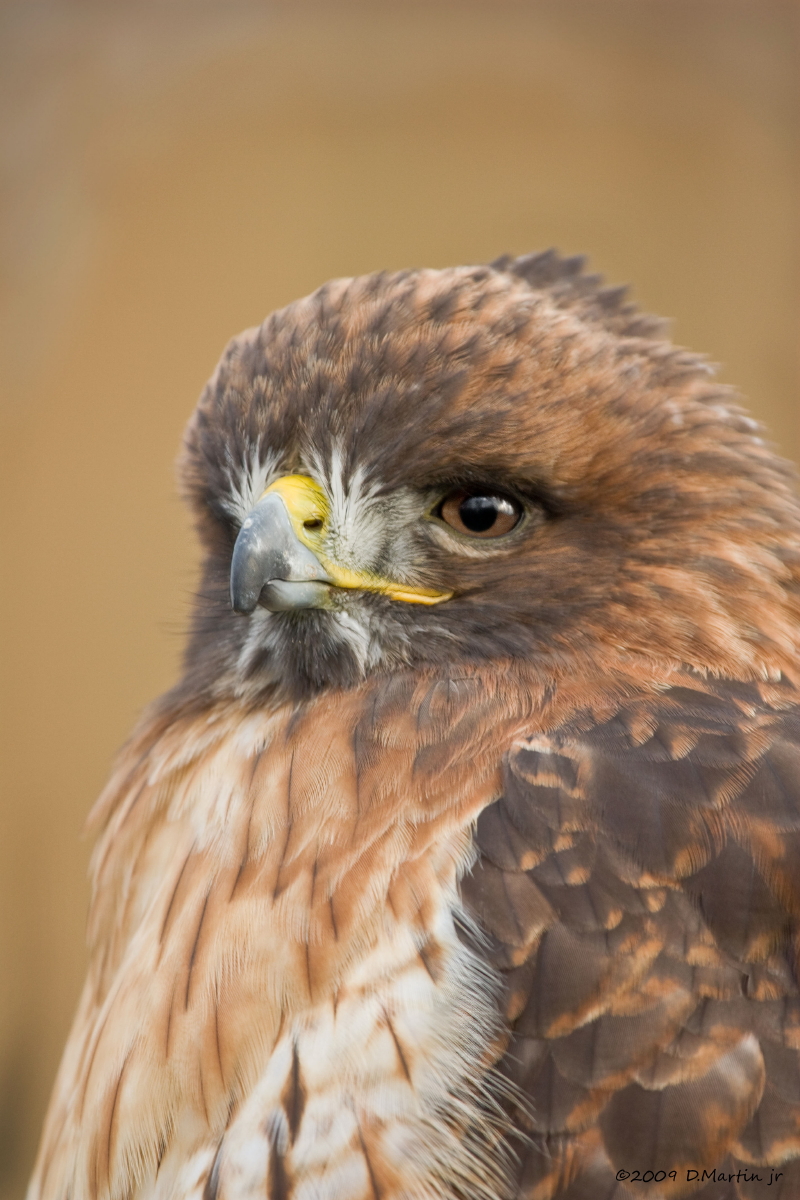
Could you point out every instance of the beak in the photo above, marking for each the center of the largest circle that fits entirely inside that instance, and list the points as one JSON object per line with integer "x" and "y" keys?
{"x": 271, "y": 566}
{"x": 279, "y": 558}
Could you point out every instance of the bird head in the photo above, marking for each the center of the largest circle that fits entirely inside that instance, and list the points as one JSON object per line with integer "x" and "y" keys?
{"x": 482, "y": 463}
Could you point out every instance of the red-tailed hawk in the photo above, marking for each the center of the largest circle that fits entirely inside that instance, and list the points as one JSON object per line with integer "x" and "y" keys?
{"x": 464, "y": 861}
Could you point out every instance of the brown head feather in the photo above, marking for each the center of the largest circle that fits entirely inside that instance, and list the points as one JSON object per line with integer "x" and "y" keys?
{"x": 662, "y": 524}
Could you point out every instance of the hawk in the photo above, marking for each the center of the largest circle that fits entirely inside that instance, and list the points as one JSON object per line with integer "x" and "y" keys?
{"x": 463, "y": 862}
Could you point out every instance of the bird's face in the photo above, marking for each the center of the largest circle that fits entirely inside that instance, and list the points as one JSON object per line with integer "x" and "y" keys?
{"x": 443, "y": 466}
{"x": 377, "y": 561}
{"x": 297, "y": 549}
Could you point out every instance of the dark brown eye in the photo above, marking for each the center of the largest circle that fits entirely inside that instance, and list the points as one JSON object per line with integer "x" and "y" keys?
{"x": 479, "y": 514}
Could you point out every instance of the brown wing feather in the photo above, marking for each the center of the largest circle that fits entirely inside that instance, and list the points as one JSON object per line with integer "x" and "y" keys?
{"x": 638, "y": 886}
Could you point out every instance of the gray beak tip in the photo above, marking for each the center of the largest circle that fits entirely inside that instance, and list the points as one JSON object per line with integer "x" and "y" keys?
{"x": 241, "y": 603}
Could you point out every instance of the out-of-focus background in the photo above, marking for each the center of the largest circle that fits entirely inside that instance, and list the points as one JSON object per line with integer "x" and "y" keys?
{"x": 173, "y": 171}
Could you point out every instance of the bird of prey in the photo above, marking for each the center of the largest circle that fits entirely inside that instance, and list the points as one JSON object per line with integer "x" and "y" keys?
{"x": 463, "y": 863}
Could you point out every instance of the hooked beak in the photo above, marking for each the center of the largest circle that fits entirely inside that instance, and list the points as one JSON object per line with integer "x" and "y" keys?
{"x": 270, "y": 566}
{"x": 279, "y": 559}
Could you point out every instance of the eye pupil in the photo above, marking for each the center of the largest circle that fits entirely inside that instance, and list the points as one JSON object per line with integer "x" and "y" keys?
{"x": 479, "y": 513}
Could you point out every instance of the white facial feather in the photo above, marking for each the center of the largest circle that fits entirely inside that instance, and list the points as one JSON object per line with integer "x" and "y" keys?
{"x": 249, "y": 480}
{"x": 368, "y": 531}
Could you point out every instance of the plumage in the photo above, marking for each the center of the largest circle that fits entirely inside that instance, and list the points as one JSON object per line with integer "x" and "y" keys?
{"x": 469, "y": 865}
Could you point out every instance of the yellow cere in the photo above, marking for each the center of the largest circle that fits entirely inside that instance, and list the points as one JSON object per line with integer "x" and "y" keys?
{"x": 308, "y": 509}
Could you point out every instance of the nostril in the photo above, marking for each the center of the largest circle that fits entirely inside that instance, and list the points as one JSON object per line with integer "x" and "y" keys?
{"x": 313, "y": 523}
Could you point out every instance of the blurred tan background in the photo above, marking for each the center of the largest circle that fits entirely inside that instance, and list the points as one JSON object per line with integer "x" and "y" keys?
{"x": 175, "y": 171}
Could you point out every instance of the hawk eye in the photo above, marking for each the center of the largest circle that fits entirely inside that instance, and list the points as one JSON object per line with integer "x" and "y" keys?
{"x": 480, "y": 514}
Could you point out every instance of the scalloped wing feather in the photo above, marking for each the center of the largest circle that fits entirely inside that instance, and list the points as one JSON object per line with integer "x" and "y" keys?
{"x": 638, "y": 886}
